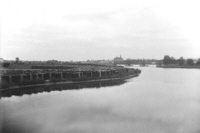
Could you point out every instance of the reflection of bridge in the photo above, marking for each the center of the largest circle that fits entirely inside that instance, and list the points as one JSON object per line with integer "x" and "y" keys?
{"x": 61, "y": 87}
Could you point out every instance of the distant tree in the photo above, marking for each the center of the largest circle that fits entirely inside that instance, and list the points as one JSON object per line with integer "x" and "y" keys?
{"x": 198, "y": 62}
{"x": 181, "y": 61}
{"x": 167, "y": 60}
{"x": 190, "y": 62}
{"x": 173, "y": 60}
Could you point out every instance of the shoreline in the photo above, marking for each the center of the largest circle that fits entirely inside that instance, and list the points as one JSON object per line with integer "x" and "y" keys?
{"x": 70, "y": 82}
{"x": 173, "y": 66}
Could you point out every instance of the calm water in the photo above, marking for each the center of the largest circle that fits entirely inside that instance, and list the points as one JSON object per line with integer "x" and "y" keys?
{"x": 158, "y": 101}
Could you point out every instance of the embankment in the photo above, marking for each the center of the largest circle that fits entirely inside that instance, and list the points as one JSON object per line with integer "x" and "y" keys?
{"x": 20, "y": 79}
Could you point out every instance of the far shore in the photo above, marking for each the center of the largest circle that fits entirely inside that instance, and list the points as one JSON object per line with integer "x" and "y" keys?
{"x": 179, "y": 66}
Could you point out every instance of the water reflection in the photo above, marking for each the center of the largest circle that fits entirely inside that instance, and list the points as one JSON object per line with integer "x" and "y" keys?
{"x": 61, "y": 87}
{"x": 158, "y": 101}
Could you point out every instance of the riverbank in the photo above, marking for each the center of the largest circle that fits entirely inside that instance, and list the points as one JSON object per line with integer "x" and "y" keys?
{"x": 71, "y": 82}
{"x": 16, "y": 79}
{"x": 179, "y": 66}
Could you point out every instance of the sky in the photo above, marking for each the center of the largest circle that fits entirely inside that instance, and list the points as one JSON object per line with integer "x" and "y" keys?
{"x": 99, "y": 29}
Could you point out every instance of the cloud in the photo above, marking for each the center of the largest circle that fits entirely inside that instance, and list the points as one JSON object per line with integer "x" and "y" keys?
{"x": 63, "y": 28}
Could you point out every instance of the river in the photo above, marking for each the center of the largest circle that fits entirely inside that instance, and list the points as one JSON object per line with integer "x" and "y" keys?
{"x": 157, "y": 101}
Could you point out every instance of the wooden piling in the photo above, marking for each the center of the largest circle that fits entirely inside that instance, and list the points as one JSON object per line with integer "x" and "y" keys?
{"x": 42, "y": 75}
{"x": 10, "y": 78}
{"x": 21, "y": 78}
{"x": 91, "y": 75}
{"x": 99, "y": 73}
{"x": 61, "y": 75}
{"x": 50, "y": 75}
{"x": 31, "y": 77}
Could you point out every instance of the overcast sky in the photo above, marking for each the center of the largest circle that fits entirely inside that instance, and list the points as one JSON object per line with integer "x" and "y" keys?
{"x": 99, "y": 29}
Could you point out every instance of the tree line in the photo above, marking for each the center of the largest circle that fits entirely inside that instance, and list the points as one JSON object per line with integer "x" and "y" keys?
{"x": 181, "y": 61}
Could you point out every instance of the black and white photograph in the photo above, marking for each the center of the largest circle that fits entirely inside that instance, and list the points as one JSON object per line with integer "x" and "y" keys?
{"x": 99, "y": 66}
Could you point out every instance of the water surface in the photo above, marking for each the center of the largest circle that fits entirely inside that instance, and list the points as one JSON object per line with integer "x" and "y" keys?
{"x": 158, "y": 101}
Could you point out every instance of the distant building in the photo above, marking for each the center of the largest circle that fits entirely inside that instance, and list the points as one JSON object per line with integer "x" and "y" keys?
{"x": 17, "y": 59}
{"x": 118, "y": 59}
